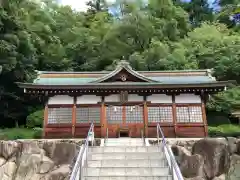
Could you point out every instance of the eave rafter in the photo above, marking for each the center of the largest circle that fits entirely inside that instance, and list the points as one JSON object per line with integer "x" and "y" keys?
{"x": 47, "y": 92}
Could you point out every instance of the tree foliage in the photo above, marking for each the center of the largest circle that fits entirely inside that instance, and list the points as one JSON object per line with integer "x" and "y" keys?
{"x": 159, "y": 35}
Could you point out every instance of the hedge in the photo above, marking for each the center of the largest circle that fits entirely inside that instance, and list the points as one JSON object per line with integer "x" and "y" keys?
{"x": 225, "y": 130}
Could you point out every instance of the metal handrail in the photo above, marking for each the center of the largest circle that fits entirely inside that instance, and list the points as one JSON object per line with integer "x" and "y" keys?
{"x": 173, "y": 163}
{"x": 78, "y": 166}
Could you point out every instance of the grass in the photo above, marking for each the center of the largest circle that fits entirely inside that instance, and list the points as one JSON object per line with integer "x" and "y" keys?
{"x": 224, "y": 130}
{"x": 20, "y": 133}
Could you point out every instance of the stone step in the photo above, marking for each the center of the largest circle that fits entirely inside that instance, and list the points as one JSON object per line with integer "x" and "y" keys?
{"x": 124, "y": 149}
{"x": 122, "y": 145}
{"x": 125, "y": 155}
{"x": 127, "y": 171}
{"x": 123, "y": 142}
{"x": 124, "y": 139}
{"x": 128, "y": 163}
{"x": 128, "y": 178}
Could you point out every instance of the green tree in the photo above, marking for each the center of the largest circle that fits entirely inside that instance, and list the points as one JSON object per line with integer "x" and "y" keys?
{"x": 143, "y": 34}
{"x": 18, "y": 59}
{"x": 198, "y": 10}
{"x": 213, "y": 46}
{"x": 158, "y": 35}
{"x": 227, "y": 8}
{"x": 227, "y": 101}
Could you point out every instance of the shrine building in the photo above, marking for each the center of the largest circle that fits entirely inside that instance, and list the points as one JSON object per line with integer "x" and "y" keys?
{"x": 125, "y": 102}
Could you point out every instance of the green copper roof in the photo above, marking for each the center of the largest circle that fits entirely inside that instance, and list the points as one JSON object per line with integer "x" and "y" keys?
{"x": 124, "y": 69}
{"x": 164, "y": 80}
{"x": 63, "y": 81}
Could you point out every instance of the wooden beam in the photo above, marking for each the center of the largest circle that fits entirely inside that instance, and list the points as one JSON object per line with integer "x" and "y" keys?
{"x": 204, "y": 117}
{"x": 145, "y": 118}
{"x": 174, "y": 114}
{"x": 74, "y": 108}
{"x": 103, "y": 119}
{"x": 124, "y": 115}
{"x": 45, "y": 120}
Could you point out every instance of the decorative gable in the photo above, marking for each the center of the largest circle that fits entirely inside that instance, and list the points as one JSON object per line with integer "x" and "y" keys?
{"x": 123, "y": 73}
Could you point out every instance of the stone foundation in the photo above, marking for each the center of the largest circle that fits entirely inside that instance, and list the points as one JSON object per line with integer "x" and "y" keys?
{"x": 38, "y": 159}
{"x": 207, "y": 159}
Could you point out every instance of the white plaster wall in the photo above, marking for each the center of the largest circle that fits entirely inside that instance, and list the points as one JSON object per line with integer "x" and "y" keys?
{"x": 112, "y": 98}
{"x": 60, "y": 99}
{"x": 187, "y": 98}
{"x": 159, "y": 98}
{"x": 134, "y": 97}
{"x": 88, "y": 99}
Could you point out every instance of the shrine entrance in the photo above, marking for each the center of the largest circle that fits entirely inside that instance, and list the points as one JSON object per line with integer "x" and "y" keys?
{"x": 123, "y": 120}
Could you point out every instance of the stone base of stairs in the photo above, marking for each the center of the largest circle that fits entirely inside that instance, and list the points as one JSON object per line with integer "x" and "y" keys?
{"x": 126, "y": 159}
{"x": 129, "y": 178}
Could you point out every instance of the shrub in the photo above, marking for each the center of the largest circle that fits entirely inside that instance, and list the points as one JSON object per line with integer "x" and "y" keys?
{"x": 35, "y": 119}
{"x": 17, "y": 133}
{"x": 37, "y": 133}
{"x": 225, "y": 130}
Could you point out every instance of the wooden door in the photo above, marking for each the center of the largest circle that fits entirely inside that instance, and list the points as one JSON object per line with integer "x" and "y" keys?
{"x": 124, "y": 117}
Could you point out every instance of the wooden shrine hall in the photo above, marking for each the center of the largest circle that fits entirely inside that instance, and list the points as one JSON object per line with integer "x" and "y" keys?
{"x": 125, "y": 101}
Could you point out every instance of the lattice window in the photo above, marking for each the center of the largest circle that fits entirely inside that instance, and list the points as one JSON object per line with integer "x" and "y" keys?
{"x": 189, "y": 114}
{"x": 182, "y": 114}
{"x": 166, "y": 114}
{"x": 134, "y": 114}
{"x": 88, "y": 114}
{"x": 153, "y": 114}
{"x": 114, "y": 114}
{"x": 160, "y": 114}
{"x": 59, "y": 115}
{"x": 195, "y": 114}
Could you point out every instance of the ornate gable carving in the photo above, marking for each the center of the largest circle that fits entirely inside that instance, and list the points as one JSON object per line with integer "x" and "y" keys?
{"x": 123, "y": 73}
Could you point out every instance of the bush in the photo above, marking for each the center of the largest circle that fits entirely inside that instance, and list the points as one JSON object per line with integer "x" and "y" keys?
{"x": 17, "y": 133}
{"x": 37, "y": 133}
{"x": 35, "y": 119}
{"x": 225, "y": 130}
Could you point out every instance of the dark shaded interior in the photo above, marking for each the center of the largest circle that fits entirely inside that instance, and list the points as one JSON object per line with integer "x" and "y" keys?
{"x": 123, "y": 134}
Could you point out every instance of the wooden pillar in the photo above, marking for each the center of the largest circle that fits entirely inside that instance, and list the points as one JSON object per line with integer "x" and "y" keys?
{"x": 174, "y": 114}
{"x": 74, "y": 108}
{"x": 103, "y": 119}
{"x": 204, "y": 117}
{"x": 145, "y": 117}
{"x": 45, "y": 120}
{"x": 124, "y": 115}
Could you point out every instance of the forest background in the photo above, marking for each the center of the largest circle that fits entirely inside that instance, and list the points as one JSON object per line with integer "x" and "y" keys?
{"x": 153, "y": 35}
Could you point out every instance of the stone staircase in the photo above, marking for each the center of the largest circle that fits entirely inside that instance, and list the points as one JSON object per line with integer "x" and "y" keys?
{"x": 126, "y": 159}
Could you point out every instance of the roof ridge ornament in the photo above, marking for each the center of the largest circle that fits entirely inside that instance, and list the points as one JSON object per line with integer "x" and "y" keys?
{"x": 210, "y": 72}
{"x": 124, "y": 63}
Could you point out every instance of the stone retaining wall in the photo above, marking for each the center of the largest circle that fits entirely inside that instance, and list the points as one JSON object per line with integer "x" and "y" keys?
{"x": 207, "y": 159}
{"x": 38, "y": 159}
